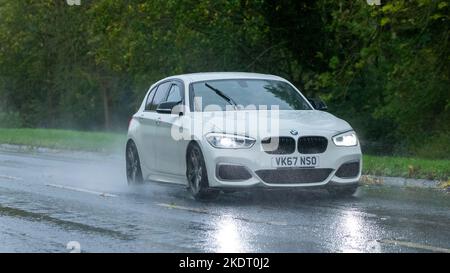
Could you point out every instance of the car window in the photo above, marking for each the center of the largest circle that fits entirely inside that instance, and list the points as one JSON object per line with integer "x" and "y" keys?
{"x": 174, "y": 94}
{"x": 160, "y": 95}
{"x": 149, "y": 99}
{"x": 262, "y": 94}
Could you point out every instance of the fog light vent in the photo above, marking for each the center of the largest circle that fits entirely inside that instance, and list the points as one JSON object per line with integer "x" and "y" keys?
{"x": 232, "y": 172}
{"x": 348, "y": 170}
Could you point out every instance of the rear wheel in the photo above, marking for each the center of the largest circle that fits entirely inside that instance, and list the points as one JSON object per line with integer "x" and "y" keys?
{"x": 197, "y": 175}
{"x": 342, "y": 191}
{"x": 133, "y": 165}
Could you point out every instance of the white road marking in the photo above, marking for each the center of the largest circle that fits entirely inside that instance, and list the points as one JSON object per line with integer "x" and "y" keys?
{"x": 415, "y": 245}
{"x": 10, "y": 177}
{"x": 103, "y": 194}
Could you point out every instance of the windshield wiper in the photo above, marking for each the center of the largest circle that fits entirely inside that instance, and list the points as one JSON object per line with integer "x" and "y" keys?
{"x": 221, "y": 94}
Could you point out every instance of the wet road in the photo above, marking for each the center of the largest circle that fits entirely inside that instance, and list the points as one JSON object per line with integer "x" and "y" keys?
{"x": 49, "y": 199}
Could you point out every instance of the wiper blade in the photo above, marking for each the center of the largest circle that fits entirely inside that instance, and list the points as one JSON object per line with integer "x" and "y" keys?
{"x": 221, "y": 94}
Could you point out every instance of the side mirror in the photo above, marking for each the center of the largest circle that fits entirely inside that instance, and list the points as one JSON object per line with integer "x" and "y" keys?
{"x": 318, "y": 104}
{"x": 171, "y": 107}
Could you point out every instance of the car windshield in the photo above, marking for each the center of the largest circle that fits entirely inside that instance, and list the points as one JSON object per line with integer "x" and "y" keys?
{"x": 221, "y": 95}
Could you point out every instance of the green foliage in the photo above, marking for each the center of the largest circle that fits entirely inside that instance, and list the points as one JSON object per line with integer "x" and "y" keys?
{"x": 383, "y": 68}
{"x": 10, "y": 120}
{"x": 433, "y": 147}
{"x": 393, "y": 83}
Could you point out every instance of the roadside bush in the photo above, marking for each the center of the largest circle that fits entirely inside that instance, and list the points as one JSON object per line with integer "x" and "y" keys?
{"x": 435, "y": 147}
{"x": 10, "y": 120}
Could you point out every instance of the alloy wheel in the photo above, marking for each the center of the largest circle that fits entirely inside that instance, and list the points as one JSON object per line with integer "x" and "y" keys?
{"x": 134, "y": 174}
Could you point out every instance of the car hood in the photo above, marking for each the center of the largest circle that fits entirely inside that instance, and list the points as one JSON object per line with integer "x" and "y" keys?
{"x": 304, "y": 122}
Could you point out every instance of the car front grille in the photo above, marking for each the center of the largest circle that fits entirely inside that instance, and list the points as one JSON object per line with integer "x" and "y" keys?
{"x": 294, "y": 176}
{"x": 278, "y": 145}
{"x": 312, "y": 144}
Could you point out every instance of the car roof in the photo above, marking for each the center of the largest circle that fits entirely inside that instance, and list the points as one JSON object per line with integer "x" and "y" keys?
{"x": 207, "y": 76}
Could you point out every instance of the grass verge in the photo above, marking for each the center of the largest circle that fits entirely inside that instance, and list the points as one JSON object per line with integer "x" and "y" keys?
{"x": 63, "y": 139}
{"x": 407, "y": 167}
{"x": 111, "y": 142}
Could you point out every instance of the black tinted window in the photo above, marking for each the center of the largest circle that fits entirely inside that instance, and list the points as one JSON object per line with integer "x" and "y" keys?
{"x": 160, "y": 96}
{"x": 244, "y": 93}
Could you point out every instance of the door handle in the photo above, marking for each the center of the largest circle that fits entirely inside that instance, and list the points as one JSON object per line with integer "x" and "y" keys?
{"x": 158, "y": 121}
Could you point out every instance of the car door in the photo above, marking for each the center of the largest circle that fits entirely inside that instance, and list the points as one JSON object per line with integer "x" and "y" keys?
{"x": 149, "y": 123}
{"x": 169, "y": 150}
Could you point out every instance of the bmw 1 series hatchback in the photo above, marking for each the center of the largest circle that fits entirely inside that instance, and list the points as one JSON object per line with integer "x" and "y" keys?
{"x": 215, "y": 132}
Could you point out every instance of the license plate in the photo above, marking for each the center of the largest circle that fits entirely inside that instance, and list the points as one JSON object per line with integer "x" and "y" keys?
{"x": 295, "y": 161}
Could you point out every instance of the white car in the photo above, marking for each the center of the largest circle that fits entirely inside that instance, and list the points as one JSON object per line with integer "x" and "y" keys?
{"x": 216, "y": 132}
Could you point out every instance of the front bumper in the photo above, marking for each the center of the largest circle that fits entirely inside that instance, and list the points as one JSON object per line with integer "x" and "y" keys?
{"x": 258, "y": 165}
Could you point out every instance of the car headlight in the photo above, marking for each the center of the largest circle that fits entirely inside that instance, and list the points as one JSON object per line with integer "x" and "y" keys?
{"x": 346, "y": 139}
{"x": 226, "y": 141}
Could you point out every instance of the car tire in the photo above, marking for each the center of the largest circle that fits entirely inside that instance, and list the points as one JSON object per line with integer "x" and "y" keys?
{"x": 342, "y": 191}
{"x": 133, "y": 165}
{"x": 197, "y": 175}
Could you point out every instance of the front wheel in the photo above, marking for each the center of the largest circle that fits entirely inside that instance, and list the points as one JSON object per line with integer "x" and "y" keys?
{"x": 197, "y": 175}
{"x": 133, "y": 165}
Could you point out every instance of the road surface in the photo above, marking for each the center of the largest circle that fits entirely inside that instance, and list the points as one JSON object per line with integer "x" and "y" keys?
{"x": 49, "y": 199}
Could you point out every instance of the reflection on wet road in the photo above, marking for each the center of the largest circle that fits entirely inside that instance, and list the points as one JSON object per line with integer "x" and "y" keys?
{"x": 48, "y": 200}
